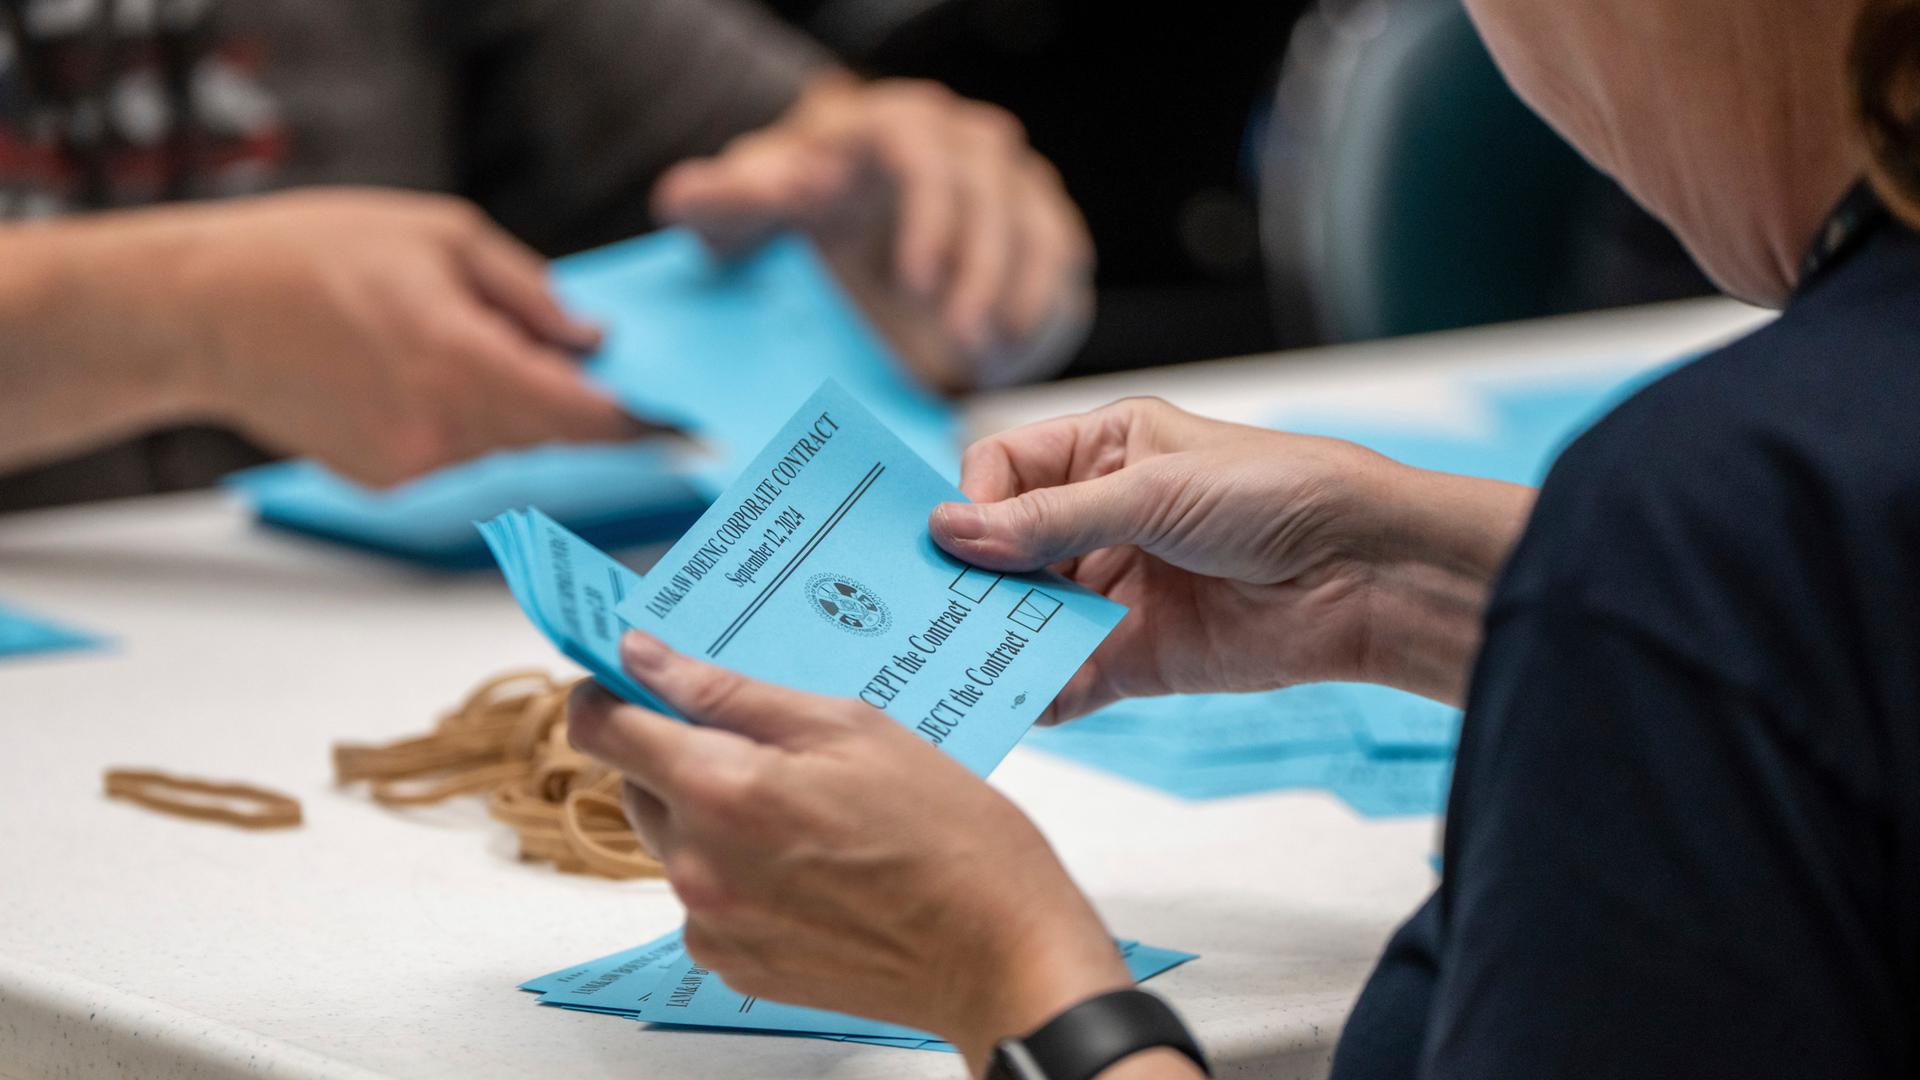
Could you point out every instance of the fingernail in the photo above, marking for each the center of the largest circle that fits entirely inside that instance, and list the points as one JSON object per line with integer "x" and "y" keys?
{"x": 963, "y": 521}
{"x": 642, "y": 651}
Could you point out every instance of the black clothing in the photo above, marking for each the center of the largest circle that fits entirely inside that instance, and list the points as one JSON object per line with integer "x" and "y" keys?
{"x": 1684, "y": 834}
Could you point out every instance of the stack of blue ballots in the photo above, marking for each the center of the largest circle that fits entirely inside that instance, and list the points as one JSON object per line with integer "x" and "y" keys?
{"x": 657, "y": 983}
{"x": 720, "y": 349}
{"x": 23, "y": 633}
{"x": 1384, "y": 752}
{"x": 814, "y": 570}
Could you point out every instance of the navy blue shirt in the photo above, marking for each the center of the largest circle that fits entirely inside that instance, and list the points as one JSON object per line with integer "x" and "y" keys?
{"x": 1684, "y": 833}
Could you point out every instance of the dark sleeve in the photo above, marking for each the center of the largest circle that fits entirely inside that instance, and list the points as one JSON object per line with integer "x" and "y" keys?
{"x": 1648, "y": 875}
{"x": 575, "y": 107}
{"x": 1387, "y": 1030}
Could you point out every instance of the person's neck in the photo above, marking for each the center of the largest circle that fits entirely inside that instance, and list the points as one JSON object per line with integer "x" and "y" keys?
{"x": 1806, "y": 204}
{"x": 1750, "y": 214}
{"x": 1796, "y": 152}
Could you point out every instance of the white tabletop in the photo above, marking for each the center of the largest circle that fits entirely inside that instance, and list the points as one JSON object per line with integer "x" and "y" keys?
{"x": 369, "y": 943}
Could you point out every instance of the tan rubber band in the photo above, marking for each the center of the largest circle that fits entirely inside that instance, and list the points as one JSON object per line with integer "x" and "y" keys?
{"x": 204, "y": 800}
{"x": 596, "y": 829}
{"x": 508, "y": 741}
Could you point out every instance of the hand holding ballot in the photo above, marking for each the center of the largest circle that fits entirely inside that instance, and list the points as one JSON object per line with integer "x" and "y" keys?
{"x": 807, "y": 834}
{"x": 1250, "y": 559}
{"x": 383, "y": 333}
{"x": 955, "y": 237}
{"x": 849, "y": 677}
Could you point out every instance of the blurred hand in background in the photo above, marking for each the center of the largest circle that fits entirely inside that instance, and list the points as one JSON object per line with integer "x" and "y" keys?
{"x": 384, "y": 333}
{"x": 955, "y": 237}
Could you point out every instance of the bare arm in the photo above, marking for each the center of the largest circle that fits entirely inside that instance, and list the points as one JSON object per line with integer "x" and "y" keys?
{"x": 384, "y": 333}
{"x": 70, "y": 375}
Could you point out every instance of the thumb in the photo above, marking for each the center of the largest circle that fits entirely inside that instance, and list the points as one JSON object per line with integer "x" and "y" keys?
{"x": 716, "y": 697}
{"x": 1046, "y": 525}
{"x": 708, "y": 197}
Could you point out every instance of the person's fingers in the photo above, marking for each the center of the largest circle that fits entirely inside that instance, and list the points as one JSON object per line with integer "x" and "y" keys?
{"x": 987, "y": 473}
{"x": 506, "y": 390}
{"x": 550, "y": 402}
{"x": 649, "y": 818}
{"x": 761, "y": 183}
{"x": 927, "y": 191}
{"x": 984, "y": 253}
{"x": 1046, "y": 525}
{"x": 648, "y": 749}
{"x": 512, "y": 278}
{"x": 713, "y": 696}
{"x": 1086, "y": 691}
{"x": 1053, "y": 262}
{"x": 1046, "y": 453}
{"x": 704, "y": 196}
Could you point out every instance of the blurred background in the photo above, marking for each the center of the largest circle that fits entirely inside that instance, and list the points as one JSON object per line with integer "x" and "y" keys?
{"x": 1262, "y": 175}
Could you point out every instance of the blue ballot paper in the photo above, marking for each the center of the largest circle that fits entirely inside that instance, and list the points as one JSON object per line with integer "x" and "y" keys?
{"x": 724, "y": 348}
{"x": 1384, "y": 752}
{"x": 612, "y": 496}
{"x": 600, "y": 984}
{"x": 816, "y": 571}
{"x": 691, "y": 996}
{"x": 23, "y": 633}
{"x": 636, "y": 982}
{"x": 685, "y": 333}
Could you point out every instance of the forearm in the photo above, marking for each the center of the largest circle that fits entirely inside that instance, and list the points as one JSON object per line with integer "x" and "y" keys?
{"x": 1443, "y": 542}
{"x": 87, "y": 352}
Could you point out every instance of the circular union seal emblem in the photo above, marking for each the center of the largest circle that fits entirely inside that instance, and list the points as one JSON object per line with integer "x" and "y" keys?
{"x": 847, "y": 604}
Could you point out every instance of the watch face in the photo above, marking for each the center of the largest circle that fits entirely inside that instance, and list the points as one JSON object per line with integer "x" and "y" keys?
{"x": 1011, "y": 1061}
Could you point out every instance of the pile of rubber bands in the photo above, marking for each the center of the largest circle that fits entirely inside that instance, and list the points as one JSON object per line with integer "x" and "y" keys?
{"x": 508, "y": 742}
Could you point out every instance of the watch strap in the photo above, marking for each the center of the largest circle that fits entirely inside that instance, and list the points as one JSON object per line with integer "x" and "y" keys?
{"x": 1088, "y": 1038}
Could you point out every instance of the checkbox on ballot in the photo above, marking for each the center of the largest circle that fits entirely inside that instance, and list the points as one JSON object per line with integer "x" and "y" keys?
{"x": 974, "y": 584}
{"x": 1034, "y": 610}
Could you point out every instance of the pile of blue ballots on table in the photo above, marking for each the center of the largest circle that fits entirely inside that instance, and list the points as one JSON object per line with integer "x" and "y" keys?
{"x": 1384, "y": 752}
{"x": 719, "y": 349}
{"x": 657, "y": 983}
{"x": 23, "y": 633}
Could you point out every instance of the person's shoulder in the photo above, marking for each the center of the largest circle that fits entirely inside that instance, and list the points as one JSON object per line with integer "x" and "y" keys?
{"x": 1725, "y": 507}
{"x": 1819, "y": 409}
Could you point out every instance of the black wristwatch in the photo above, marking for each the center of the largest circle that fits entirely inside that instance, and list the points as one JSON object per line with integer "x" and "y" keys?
{"x": 1085, "y": 1040}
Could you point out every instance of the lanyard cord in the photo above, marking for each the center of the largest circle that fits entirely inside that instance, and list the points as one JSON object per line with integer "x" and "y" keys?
{"x": 1857, "y": 215}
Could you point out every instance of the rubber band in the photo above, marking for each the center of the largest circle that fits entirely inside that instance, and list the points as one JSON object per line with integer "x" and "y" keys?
{"x": 508, "y": 741}
{"x": 204, "y": 800}
{"x": 609, "y": 848}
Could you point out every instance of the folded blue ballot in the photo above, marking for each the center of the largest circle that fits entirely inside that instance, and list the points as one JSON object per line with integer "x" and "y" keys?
{"x": 613, "y": 496}
{"x": 685, "y": 334}
{"x": 724, "y": 348}
{"x": 23, "y": 633}
{"x": 815, "y": 570}
{"x": 657, "y": 982}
